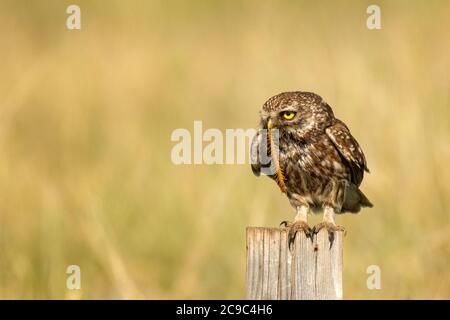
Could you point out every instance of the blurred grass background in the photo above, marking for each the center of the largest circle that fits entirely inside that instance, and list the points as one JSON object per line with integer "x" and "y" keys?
{"x": 85, "y": 123}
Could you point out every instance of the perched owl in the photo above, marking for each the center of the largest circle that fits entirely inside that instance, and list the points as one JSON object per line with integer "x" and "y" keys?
{"x": 315, "y": 159}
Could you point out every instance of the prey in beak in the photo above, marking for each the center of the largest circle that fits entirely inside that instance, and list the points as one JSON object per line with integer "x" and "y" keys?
{"x": 275, "y": 152}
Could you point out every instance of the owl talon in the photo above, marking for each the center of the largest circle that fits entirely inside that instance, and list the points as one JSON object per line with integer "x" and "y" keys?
{"x": 331, "y": 228}
{"x": 294, "y": 227}
{"x": 285, "y": 224}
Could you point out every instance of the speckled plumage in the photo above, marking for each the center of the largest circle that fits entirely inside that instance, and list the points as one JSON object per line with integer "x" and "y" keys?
{"x": 323, "y": 164}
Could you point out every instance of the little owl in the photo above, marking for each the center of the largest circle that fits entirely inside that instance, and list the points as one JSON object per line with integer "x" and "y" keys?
{"x": 314, "y": 160}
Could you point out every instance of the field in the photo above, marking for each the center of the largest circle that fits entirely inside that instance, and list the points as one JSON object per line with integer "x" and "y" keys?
{"x": 86, "y": 116}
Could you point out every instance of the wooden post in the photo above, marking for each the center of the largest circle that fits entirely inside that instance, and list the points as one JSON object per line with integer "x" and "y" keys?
{"x": 310, "y": 269}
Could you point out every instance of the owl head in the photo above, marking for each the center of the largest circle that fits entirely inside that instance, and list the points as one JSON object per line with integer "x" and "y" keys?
{"x": 296, "y": 113}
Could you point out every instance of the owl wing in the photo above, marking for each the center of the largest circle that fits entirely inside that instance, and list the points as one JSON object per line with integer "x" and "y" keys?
{"x": 349, "y": 149}
{"x": 254, "y": 155}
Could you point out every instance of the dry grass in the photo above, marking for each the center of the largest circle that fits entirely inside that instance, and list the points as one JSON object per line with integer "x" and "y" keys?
{"x": 85, "y": 123}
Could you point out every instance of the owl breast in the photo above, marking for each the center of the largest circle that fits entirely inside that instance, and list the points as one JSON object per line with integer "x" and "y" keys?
{"x": 309, "y": 167}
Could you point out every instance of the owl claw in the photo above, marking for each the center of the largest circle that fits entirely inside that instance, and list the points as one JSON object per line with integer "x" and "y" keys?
{"x": 285, "y": 224}
{"x": 295, "y": 227}
{"x": 331, "y": 228}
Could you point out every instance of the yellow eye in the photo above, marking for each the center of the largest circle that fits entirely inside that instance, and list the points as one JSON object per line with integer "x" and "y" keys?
{"x": 289, "y": 115}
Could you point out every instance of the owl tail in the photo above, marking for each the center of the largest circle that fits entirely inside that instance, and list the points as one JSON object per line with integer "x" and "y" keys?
{"x": 364, "y": 201}
{"x": 354, "y": 200}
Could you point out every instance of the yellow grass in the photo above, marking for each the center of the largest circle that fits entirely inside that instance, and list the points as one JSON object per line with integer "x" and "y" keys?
{"x": 86, "y": 118}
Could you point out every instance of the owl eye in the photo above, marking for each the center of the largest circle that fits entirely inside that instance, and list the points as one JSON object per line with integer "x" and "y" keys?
{"x": 288, "y": 115}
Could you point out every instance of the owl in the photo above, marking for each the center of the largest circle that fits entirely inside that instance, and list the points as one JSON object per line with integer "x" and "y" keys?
{"x": 313, "y": 158}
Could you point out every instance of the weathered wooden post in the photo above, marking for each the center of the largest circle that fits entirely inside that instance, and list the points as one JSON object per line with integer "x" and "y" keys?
{"x": 310, "y": 269}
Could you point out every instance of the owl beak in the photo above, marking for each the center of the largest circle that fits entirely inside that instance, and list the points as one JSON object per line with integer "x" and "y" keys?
{"x": 269, "y": 124}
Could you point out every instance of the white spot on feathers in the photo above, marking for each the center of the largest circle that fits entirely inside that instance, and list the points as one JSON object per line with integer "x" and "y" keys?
{"x": 337, "y": 166}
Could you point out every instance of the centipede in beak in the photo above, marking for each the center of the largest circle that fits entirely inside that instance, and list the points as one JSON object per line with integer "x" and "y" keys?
{"x": 275, "y": 152}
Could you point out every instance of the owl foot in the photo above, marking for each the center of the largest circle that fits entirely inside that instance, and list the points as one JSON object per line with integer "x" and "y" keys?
{"x": 297, "y": 226}
{"x": 331, "y": 228}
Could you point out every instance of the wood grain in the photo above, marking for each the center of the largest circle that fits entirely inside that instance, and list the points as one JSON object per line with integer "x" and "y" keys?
{"x": 308, "y": 270}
